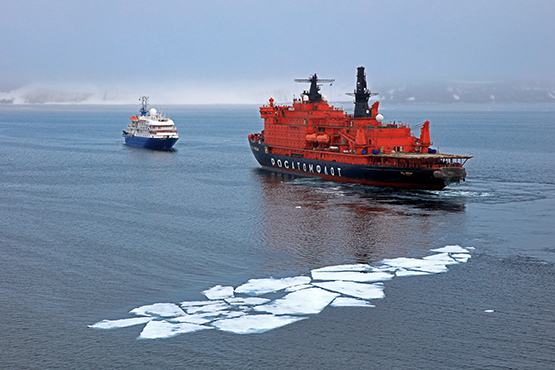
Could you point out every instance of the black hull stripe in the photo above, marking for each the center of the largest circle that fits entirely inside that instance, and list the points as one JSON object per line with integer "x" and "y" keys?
{"x": 409, "y": 177}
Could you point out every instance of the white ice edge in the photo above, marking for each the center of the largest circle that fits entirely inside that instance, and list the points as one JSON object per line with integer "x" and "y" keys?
{"x": 351, "y": 276}
{"x": 164, "y": 329}
{"x": 254, "y": 323}
{"x": 186, "y": 304}
{"x": 121, "y": 323}
{"x": 355, "y": 267}
{"x": 158, "y": 309}
{"x": 451, "y": 249}
{"x": 250, "y": 301}
{"x": 350, "y": 302}
{"x": 219, "y": 292}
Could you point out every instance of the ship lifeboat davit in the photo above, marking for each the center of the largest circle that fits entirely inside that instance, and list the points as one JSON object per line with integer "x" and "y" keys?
{"x": 311, "y": 138}
{"x": 323, "y": 139}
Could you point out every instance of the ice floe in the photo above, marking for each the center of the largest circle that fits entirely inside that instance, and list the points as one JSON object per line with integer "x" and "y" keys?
{"x": 254, "y": 323}
{"x": 355, "y": 267}
{"x": 164, "y": 329}
{"x": 358, "y": 290}
{"x": 302, "y": 302}
{"x": 430, "y": 266}
{"x": 207, "y": 308}
{"x": 403, "y": 272}
{"x": 298, "y": 287}
{"x": 251, "y": 301}
{"x": 235, "y": 310}
{"x": 158, "y": 309}
{"x": 350, "y": 302}
{"x": 121, "y": 323}
{"x": 461, "y": 257}
{"x": 185, "y": 304}
{"x": 367, "y": 277}
{"x": 269, "y": 285}
{"x": 451, "y": 249}
{"x": 195, "y": 319}
{"x": 219, "y": 292}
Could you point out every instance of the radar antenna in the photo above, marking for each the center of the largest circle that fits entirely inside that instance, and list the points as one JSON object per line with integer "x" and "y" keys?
{"x": 313, "y": 93}
{"x": 361, "y": 94}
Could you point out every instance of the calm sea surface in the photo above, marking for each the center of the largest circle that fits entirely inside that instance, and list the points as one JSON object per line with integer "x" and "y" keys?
{"x": 91, "y": 229}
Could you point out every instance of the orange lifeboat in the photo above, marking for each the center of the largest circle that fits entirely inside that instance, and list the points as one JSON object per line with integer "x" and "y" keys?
{"x": 311, "y": 138}
{"x": 323, "y": 139}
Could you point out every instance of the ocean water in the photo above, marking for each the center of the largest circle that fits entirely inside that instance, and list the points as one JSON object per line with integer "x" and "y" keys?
{"x": 113, "y": 257}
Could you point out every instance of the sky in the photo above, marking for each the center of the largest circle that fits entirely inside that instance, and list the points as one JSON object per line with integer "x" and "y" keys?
{"x": 222, "y": 51}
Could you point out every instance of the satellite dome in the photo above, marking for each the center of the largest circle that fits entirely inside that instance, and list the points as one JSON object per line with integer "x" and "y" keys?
{"x": 152, "y": 111}
{"x": 379, "y": 118}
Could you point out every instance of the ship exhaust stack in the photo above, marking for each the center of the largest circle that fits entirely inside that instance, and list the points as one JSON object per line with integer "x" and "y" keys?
{"x": 425, "y": 141}
{"x": 362, "y": 94}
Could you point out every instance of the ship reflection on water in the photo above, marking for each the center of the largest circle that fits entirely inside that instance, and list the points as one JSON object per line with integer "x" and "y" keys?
{"x": 318, "y": 223}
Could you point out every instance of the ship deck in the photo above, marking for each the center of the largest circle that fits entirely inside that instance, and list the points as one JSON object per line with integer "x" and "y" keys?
{"x": 421, "y": 156}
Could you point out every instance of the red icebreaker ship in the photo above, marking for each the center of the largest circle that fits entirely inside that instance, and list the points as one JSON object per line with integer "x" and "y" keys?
{"x": 313, "y": 138}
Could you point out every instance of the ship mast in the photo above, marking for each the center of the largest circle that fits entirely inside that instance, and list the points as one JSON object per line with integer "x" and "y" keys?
{"x": 313, "y": 93}
{"x": 362, "y": 94}
{"x": 144, "y": 105}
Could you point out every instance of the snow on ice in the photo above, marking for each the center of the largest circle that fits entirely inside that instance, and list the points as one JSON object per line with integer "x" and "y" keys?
{"x": 234, "y": 310}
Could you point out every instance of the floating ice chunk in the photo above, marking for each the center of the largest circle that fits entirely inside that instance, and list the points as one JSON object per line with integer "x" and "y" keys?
{"x": 416, "y": 264}
{"x": 195, "y": 319}
{"x": 355, "y": 267}
{"x": 185, "y": 304}
{"x": 268, "y": 285}
{"x": 359, "y": 290}
{"x": 123, "y": 323}
{"x": 254, "y": 323}
{"x": 232, "y": 314}
{"x": 403, "y": 272}
{"x": 159, "y": 309}
{"x": 442, "y": 258}
{"x": 385, "y": 268}
{"x": 433, "y": 268}
{"x": 402, "y": 262}
{"x": 252, "y": 301}
{"x": 219, "y": 292}
{"x": 352, "y": 276}
{"x": 298, "y": 287}
{"x": 350, "y": 302}
{"x": 301, "y": 302}
{"x": 207, "y": 308}
{"x": 164, "y": 329}
{"x": 451, "y": 249}
{"x": 461, "y": 257}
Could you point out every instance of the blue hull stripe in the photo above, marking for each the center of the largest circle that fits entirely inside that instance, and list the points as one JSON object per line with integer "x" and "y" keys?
{"x": 143, "y": 142}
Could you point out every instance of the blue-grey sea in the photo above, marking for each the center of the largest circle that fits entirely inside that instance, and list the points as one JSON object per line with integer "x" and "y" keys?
{"x": 91, "y": 229}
